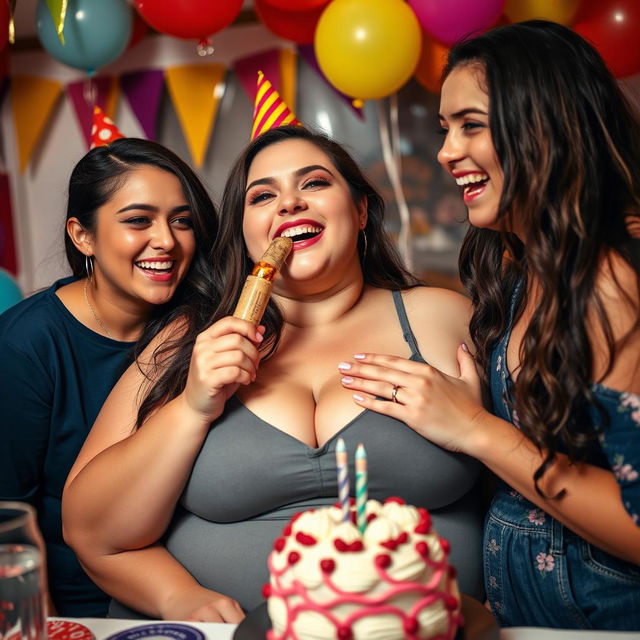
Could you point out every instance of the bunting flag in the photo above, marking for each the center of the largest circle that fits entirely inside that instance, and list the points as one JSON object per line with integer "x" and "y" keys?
{"x": 8, "y": 256}
{"x": 307, "y": 52}
{"x": 102, "y": 91}
{"x": 144, "y": 92}
{"x": 195, "y": 91}
{"x": 266, "y": 61}
{"x": 288, "y": 59}
{"x": 32, "y": 100}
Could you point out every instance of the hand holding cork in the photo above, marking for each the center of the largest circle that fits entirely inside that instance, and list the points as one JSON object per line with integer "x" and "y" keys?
{"x": 257, "y": 287}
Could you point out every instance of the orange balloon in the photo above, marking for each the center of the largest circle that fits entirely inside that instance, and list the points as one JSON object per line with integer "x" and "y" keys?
{"x": 433, "y": 58}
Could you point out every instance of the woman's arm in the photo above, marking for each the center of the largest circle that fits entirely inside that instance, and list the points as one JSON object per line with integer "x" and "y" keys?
{"x": 447, "y": 410}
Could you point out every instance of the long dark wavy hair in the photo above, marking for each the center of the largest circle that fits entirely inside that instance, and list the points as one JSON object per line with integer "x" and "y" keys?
{"x": 95, "y": 180}
{"x": 230, "y": 263}
{"x": 569, "y": 147}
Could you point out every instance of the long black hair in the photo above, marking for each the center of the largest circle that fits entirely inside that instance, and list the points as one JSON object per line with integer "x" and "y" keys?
{"x": 95, "y": 180}
{"x": 569, "y": 147}
{"x": 230, "y": 262}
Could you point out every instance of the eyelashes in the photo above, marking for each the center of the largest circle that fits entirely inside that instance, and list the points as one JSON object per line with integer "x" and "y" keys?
{"x": 263, "y": 196}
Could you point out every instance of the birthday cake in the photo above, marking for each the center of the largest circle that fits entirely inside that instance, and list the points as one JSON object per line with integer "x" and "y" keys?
{"x": 392, "y": 580}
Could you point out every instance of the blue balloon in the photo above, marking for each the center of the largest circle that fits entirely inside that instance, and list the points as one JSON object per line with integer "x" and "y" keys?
{"x": 96, "y": 32}
{"x": 10, "y": 292}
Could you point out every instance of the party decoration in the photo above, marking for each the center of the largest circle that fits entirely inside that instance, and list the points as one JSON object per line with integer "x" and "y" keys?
{"x": 10, "y": 293}
{"x": 103, "y": 130}
{"x": 288, "y": 59}
{"x": 196, "y": 91}
{"x": 367, "y": 48}
{"x": 144, "y": 92}
{"x": 95, "y": 32}
{"x": 58, "y": 10}
{"x": 86, "y": 94}
{"x": 299, "y": 26}
{"x": 189, "y": 19}
{"x": 308, "y": 54}
{"x": 139, "y": 29}
{"x": 5, "y": 19}
{"x": 8, "y": 255}
{"x": 433, "y": 58}
{"x": 298, "y": 5}
{"x": 560, "y": 11}
{"x": 32, "y": 100}
{"x": 613, "y": 27}
{"x": 270, "y": 110}
{"x": 246, "y": 69}
{"x": 451, "y": 20}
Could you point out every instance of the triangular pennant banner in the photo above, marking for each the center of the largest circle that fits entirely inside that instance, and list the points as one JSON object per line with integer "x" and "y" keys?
{"x": 288, "y": 59}
{"x": 307, "y": 52}
{"x": 32, "y": 100}
{"x": 247, "y": 70}
{"x": 196, "y": 91}
{"x": 8, "y": 257}
{"x": 144, "y": 91}
{"x": 86, "y": 94}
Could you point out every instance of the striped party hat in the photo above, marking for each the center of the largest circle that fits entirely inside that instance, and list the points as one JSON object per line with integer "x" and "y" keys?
{"x": 270, "y": 110}
{"x": 103, "y": 130}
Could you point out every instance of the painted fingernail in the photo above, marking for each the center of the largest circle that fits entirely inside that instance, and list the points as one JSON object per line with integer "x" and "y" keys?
{"x": 259, "y": 337}
{"x": 359, "y": 356}
{"x": 464, "y": 347}
{"x": 358, "y": 398}
{"x": 346, "y": 380}
{"x": 344, "y": 365}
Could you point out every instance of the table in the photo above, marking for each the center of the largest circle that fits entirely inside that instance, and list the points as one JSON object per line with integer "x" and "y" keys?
{"x": 102, "y": 628}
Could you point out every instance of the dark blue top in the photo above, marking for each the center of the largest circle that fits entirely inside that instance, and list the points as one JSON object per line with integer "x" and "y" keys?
{"x": 55, "y": 374}
{"x": 616, "y": 421}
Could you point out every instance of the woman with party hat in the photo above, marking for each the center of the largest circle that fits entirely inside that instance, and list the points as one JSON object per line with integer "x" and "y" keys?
{"x": 139, "y": 227}
{"x": 240, "y": 427}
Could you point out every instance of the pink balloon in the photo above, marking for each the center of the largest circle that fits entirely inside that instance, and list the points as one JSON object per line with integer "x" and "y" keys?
{"x": 450, "y": 20}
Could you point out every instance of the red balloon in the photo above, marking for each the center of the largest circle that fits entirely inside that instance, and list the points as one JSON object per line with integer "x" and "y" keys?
{"x": 5, "y": 16}
{"x": 139, "y": 29}
{"x": 299, "y": 26}
{"x": 613, "y": 28}
{"x": 297, "y": 5}
{"x": 188, "y": 19}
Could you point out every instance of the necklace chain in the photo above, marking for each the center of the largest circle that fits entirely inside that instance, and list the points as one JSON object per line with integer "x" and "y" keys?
{"x": 93, "y": 311}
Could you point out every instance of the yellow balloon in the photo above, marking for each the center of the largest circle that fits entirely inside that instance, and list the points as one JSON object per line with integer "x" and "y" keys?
{"x": 368, "y": 48}
{"x": 560, "y": 11}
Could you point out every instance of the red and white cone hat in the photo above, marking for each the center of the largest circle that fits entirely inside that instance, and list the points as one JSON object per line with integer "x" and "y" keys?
{"x": 270, "y": 110}
{"x": 103, "y": 130}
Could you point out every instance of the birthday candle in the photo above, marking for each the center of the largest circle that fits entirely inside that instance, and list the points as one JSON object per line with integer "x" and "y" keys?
{"x": 343, "y": 478}
{"x": 361, "y": 487}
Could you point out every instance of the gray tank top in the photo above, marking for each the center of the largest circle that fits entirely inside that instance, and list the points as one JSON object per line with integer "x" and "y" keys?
{"x": 250, "y": 478}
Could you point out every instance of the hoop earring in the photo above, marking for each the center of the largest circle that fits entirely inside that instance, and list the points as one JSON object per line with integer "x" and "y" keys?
{"x": 364, "y": 243}
{"x": 88, "y": 266}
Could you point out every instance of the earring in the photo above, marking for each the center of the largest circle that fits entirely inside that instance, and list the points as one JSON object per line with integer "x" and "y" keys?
{"x": 364, "y": 243}
{"x": 88, "y": 266}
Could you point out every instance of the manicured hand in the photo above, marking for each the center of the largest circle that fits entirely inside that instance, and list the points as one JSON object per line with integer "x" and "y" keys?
{"x": 441, "y": 408}
{"x": 224, "y": 356}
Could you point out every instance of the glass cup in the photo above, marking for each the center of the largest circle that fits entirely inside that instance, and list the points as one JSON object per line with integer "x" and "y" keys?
{"x": 22, "y": 585}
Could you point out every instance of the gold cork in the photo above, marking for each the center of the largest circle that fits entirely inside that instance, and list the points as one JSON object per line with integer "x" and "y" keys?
{"x": 257, "y": 287}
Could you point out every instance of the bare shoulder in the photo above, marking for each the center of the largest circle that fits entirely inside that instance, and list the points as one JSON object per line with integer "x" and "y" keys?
{"x": 439, "y": 319}
{"x": 618, "y": 286}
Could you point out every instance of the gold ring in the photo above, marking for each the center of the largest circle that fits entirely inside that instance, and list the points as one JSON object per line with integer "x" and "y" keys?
{"x": 394, "y": 393}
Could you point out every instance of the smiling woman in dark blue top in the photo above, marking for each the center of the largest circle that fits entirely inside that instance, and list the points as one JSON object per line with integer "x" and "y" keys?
{"x": 138, "y": 232}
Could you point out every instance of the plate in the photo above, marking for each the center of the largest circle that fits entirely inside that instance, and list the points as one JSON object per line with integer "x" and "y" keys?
{"x": 479, "y": 623}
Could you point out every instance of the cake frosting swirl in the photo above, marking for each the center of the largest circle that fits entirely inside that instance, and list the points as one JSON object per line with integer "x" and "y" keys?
{"x": 327, "y": 580}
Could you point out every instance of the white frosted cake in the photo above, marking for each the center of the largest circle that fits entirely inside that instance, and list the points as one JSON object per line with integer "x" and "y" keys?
{"x": 394, "y": 581}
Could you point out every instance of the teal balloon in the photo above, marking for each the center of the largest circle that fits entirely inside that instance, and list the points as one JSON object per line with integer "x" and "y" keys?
{"x": 96, "y": 32}
{"x": 10, "y": 292}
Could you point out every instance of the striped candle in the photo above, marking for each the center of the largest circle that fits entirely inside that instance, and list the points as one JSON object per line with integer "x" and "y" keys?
{"x": 361, "y": 487}
{"x": 343, "y": 477}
